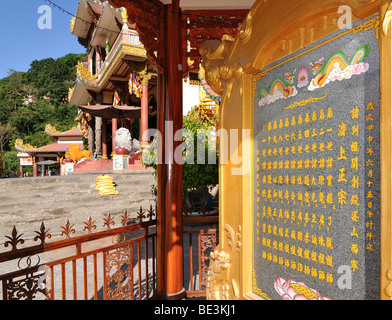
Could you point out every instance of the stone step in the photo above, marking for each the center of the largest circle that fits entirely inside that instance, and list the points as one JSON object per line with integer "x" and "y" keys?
{"x": 70, "y": 190}
{"x": 46, "y": 183}
{"x": 27, "y": 202}
{"x": 29, "y": 224}
{"x": 55, "y": 202}
{"x": 74, "y": 213}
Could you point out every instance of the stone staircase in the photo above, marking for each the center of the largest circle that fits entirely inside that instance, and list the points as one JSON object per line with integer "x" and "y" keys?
{"x": 27, "y": 202}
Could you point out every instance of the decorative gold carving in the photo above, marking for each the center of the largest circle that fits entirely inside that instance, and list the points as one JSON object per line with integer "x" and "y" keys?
{"x": 83, "y": 72}
{"x": 70, "y": 93}
{"x": 388, "y": 289}
{"x": 24, "y": 146}
{"x": 144, "y": 76}
{"x": 49, "y": 129}
{"x": 303, "y": 103}
{"x": 72, "y": 26}
{"x": 245, "y": 29}
{"x": 218, "y": 276}
{"x": 207, "y": 243}
{"x": 124, "y": 14}
{"x": 386, "y": 24}
{"x": 219, "y": 72}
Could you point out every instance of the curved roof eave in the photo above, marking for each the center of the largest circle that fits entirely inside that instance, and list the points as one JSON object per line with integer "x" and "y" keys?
{"x": 105, "y": 23}
{"x": 80, "y": 95}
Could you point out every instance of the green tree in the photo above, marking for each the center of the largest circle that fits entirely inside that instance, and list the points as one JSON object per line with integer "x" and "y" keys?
{"x": 52, "y": 77}
{"x": 198, "y": 173}
{"x": 12, "y": 160}
{"x": 6, "y": 134}
{"x": 12, "y": 94}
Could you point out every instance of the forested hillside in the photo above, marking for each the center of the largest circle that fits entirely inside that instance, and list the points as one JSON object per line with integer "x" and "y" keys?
{"x": 30, "y": 100}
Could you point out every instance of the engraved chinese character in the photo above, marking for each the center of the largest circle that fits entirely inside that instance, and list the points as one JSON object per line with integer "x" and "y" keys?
{"x": 355, "y": 113}
{"x": 342, "y": 130}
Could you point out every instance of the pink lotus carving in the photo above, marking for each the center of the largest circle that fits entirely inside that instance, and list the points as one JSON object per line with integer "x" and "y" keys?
{"x": 291, "y": 290}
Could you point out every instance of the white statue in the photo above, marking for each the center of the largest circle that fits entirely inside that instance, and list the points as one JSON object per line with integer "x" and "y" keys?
{"x": 124, "y": 140}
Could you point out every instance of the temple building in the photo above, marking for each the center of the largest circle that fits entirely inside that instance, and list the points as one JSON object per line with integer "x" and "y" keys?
{"x": 117, "y": 86}
{"x": 48, "y": 155}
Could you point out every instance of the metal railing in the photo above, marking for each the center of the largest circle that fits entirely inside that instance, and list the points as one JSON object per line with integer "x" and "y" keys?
{"x": 118, "y": 263}
{"x": 200, "y": 237}
{"x": 115, "y": 264}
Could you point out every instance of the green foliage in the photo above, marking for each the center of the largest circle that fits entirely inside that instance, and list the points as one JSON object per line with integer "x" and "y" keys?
{"x": 12, "y": 94}
{"x": 47, "y": 82}
{"x": 6, "y": 134}
{"x": 12, "y": 160}
{"x": 52, "y": 78}
{"x": 195, "y": 175}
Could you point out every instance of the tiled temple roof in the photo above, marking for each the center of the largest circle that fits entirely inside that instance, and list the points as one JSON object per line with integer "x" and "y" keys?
{"x": 54, "y": 147}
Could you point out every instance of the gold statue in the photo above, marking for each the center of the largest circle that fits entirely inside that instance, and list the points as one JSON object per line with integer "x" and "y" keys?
{"x": 76, "y": 154}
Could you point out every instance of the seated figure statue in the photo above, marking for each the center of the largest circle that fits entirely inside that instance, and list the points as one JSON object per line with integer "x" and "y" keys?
{"x": 124, "y": 140}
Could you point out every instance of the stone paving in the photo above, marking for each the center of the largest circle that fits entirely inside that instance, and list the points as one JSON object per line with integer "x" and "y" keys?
{"x": 28, "y": 202}
{"x": 71, "y": 186}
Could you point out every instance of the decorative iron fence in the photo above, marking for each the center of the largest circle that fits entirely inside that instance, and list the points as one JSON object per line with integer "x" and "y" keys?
{"x": 200, "y": 238}
{"x": 118, "y": 263}
{"x": 115, "y": 264}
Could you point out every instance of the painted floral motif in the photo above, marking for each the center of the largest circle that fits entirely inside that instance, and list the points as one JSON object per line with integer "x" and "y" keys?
{"x": 291, "y": 290}
{"x": 339, "y": 68}
{"x": 303, "y": 77}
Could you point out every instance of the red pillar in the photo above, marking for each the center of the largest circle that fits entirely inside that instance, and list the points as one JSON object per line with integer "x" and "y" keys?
{"x": 35, "y": 167}
{"x": 114, "y": 129}
{"x": 170, "y": 282}
{"x": 21, "y": 171}
{"x": 144, "y": 113}
{"x": 104, "y": 139}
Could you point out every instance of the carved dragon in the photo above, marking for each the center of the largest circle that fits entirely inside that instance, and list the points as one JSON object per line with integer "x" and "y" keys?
{"x": 218, "y": 283}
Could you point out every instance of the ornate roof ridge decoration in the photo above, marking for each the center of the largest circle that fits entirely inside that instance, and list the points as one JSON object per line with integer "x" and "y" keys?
{"x": 84, "y": 73}
{"x": 72, "y": 26}
{"x": 20, "y": 146}
{"x": 70, "y": 93}
{"x": 52, "y": 131}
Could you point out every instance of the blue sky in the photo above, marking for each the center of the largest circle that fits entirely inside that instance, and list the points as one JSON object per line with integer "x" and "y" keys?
{"x": 23, "y": 41}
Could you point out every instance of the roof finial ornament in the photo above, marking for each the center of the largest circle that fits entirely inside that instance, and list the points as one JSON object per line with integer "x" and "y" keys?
{"x": 124, "y": 14}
